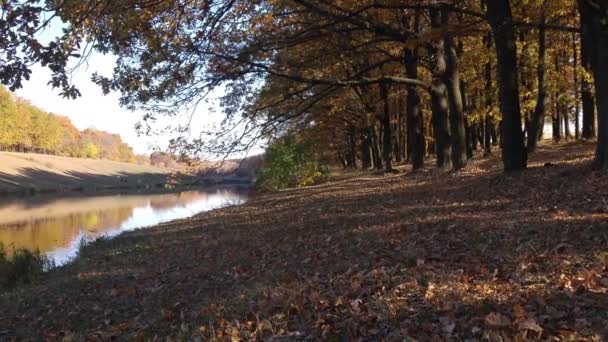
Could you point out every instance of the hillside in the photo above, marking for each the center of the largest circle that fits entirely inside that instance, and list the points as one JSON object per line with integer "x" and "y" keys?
{"x": 28, "y": 172}
{"x": 428, "y": 255}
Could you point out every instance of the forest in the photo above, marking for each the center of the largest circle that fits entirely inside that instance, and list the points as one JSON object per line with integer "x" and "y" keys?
{"x": 372, "y": 82}
{"x": 26, "y": 128}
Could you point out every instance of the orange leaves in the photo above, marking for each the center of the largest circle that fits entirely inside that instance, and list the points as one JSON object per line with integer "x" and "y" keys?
{"x": 497, "y": 320}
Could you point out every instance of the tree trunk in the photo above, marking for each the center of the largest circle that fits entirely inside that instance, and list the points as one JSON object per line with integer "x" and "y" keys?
{"x": 587, "y": 49}
{"x": 387, "y": 139}
{"x": 415, "y": 125}
{"x": 577, "y": 106}
{"x": 467, "y": 126}
{"x": 594, "y": 24}
{"x": 439, "y": 99}
{"x": 566, "y": 123}
{"x": 488, "y": 121}
{"x": 452, "y": 82}
{"x": 514, "y": 154}
{"x": 556, "y": 120}
{"x": 538, "y": 116}
{"x": 377, "y": 157}
{"x": 366, "y": 156}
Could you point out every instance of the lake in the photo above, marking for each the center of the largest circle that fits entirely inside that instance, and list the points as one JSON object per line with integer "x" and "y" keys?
{"x": 58, "y": 226}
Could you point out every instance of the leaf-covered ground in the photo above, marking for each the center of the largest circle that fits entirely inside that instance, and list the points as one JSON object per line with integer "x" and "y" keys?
{"x": 430, "y": 256}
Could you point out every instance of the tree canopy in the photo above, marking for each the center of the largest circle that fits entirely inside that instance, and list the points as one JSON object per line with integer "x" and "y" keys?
{"x": 374, "y": 81}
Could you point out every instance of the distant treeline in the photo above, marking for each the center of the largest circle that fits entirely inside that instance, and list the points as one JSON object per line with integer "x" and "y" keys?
{"x": 26, "y": 128}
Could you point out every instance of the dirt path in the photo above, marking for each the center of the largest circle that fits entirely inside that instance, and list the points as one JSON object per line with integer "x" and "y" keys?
{"x": 428, "y": 255}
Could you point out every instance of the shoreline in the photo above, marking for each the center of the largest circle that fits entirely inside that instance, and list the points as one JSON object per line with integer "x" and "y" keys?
{"x": 28, "y": 174}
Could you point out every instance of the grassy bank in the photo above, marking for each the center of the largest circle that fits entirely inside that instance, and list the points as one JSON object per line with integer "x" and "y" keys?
{"x": 426, "y": 255}
{"x": 34, "y": 173}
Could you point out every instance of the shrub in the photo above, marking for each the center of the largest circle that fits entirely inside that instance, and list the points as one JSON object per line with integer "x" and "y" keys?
{"x": 289, "y": 163}
{"x": 22, "y": 267}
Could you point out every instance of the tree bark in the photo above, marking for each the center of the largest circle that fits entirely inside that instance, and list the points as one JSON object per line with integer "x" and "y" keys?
{"x": 538, "y": 116}
{"x": 488, "y": 121}
{"x": 415, "y": 125}
{"x": 594, "y": 25}
{"x": 452, "y": 82}
{"x": 587, "y": 99}
{"x": 366, "y": 156}
{"x": 577, "y": 106}
{"x": 377, "y": 157}
{"x": 514, "y": 154}
{"x": 439, "y": 98}
{"x": 387, "y": 139}
{"x": 556, "y": 120}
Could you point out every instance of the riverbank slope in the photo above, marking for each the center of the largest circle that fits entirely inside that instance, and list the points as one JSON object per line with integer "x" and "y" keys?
{"x": 29, "y": 172}
{"x": 427, "y": 255}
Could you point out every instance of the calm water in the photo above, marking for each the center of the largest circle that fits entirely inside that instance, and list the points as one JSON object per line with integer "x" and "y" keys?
{"x": 56, "y": 226}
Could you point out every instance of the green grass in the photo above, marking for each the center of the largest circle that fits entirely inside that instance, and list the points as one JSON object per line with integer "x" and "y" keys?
{"x": 21, "y": 267}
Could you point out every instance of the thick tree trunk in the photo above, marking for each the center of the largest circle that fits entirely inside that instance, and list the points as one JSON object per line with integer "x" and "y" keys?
{"x": 587, "y": 50}
{"x": 538, "y": 116}
{"x": 439, "y": 99}
{"x": 415, "y": 125}
{"x": 594, "y": 24}
{"x": 514, "y": 154}
{"x": 588, "y": 102}
{"x": 387, "y": 139}
{"x": 452, "y": 82}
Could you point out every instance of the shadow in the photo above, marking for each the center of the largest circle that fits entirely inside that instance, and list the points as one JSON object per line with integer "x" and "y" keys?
{"x": 425, "y": 255}
{"x": 32, "y": 180}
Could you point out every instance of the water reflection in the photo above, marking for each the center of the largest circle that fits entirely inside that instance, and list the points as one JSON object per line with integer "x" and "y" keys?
{"x": 57, "y": 226}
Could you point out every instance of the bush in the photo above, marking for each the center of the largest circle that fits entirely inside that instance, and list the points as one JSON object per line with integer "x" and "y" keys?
{"x": 289, "y": 163}
{"x": 22, "y": 267}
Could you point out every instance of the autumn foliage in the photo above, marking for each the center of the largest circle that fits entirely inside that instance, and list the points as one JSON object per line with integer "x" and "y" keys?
{"x": 26, "y": 128}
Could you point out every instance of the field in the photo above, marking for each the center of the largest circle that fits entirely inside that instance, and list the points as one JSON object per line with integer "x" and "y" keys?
{"x": 27, "y": 172}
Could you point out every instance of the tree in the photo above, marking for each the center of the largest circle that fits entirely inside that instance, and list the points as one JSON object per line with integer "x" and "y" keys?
{"x": 594, "y": 27}
{"x": 514, "y": 154}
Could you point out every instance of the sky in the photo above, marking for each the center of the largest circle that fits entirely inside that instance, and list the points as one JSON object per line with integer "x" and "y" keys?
{"x": 92, "y": 109}
{"x": 95, "y": 110}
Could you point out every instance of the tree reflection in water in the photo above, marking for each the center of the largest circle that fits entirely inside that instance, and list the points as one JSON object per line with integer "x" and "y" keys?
{"x": 56, "y": 226}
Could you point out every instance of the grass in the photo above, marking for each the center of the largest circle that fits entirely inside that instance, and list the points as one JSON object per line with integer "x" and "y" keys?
{"x": 21, "y": 267}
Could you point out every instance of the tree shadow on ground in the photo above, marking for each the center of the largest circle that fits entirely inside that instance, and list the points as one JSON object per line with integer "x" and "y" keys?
{"x": 429, "y": 256}
{"x": 32, "y": 180}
